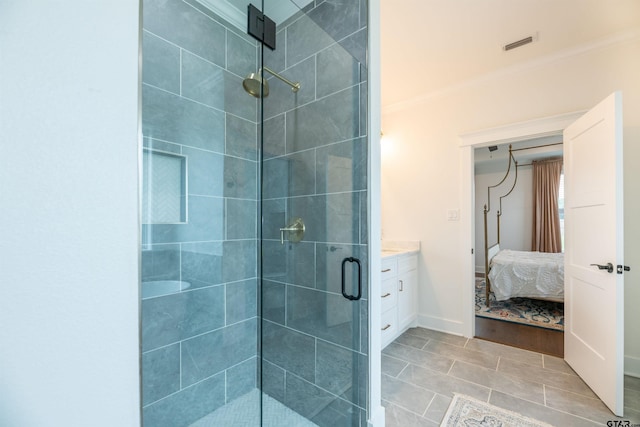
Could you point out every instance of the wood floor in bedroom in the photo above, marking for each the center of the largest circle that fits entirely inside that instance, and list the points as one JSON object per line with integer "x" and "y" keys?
{"x": 546, "y": 341}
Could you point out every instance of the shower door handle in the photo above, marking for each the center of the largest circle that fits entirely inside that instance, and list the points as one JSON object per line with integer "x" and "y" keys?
{"x": 344, "y": 291}
{"x": 295, "y": 229}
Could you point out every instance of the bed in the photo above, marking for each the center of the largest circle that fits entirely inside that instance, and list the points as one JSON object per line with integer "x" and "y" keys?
{"x": 536, "y": 275}
{"x": 511, "y": 274}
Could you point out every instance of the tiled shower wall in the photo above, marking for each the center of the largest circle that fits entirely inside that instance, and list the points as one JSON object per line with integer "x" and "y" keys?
{"x": 315, "y": 342}
{"x": 200, "y": 345}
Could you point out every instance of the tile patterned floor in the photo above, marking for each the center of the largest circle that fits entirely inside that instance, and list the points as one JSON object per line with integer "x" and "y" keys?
{"x": 422, "y": 369}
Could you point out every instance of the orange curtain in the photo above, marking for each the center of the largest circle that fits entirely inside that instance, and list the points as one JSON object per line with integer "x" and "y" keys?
{"x": 546, "y": 219}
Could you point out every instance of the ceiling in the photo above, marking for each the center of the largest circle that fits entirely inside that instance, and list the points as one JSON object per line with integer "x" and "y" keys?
{"x": 429, "y": 46}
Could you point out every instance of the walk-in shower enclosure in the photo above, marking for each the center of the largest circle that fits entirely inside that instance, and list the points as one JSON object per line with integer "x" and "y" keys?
{"x": 245, "y": 324}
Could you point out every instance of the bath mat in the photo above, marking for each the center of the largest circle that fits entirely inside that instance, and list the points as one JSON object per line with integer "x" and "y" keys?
{"x": 543, "y": 314}
{"x": 465, "y": 411}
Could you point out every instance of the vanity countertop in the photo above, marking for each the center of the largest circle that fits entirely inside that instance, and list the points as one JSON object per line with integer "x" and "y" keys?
{"x": 392, "y": 252}
{"x": 392, "y": 248}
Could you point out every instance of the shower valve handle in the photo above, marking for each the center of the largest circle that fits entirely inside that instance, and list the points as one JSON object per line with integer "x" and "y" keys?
{"x": 295, "y": 229}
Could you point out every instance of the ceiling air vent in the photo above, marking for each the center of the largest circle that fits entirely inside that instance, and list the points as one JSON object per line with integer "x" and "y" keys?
{"x": 519, "y": 43}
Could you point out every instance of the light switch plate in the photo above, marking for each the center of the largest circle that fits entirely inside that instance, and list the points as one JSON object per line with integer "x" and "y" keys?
{"x": 453, "y": 215}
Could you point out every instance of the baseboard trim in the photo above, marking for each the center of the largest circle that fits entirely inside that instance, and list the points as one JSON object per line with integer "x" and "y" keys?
{"x": 632, "y": 366}
{"x": 454, "y": 327}
{"x": 377, "y": 417}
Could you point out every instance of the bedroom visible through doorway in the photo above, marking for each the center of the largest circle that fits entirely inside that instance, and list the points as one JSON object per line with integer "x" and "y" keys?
{"x": 505, "y": 213}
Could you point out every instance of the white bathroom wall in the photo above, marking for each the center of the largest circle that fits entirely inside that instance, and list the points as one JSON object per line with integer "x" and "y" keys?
{"x": 69, "y": 213}
{"x": 422, "y": 176}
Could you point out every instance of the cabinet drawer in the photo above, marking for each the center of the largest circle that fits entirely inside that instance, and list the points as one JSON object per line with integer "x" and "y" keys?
{"x": 389, "y": 267}
{"x": 389, "y": 294}
{"x": 388, "y": 325}
{"x": 407, "y": 263}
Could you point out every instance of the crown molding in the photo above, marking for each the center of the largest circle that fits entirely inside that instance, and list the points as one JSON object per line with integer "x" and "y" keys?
{"x": 513, "y": 132}
{"x": 228, "y": 12}
{"x": 279, "y": 12}
{"x": 603, "y": 43}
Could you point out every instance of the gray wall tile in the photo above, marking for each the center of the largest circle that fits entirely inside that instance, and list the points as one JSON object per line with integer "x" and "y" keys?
{"x": 160, "y": 63}
{"x": 184, "y": 408}
{"x": 205, "y": 171}
{"x": 241, "y": 55}
{"x": 160, "y": 262}
{"x": 327, "y": 316}
{"x": 273, "y": 380}
{"x": 342, "y": 167}
{"x": 273, "y": 301}
{"x": 364, "y": 326}
{"x": 288, "y": 349}
{"x": 236, "y": 100}
{"x": 273, "y": 218}
{"x": 331, "y": 119}
{"x": 319, "y": 406}
{"x": 183, "y": 25}
{"x": 342, "y": 372}
{"x": 203, "y": 81}
{"x": 337, "y": 69}
{"x": 240, "y": 178}
{"x": 329, "y": 259}
{"x": 274, "y": 137}
{"x": 161, "y": 371}
{"x": 239, "y": 261}
{"x": 281, "y": 96}
{"x": 305, "y": 38}
{"x": 242, "y": 301}
{"x": 356, "y": 45}
{"x": 241, "y": 379}
{"x": 337, "y": 413}
{"x": 171, "y": 118}
{"x": 338, "y": 19}
{"x": 330, "y": 218}
{"x": 241, "y": 219}
{"x": 201, "y": 263}
{"x": 275, "y": 59}
{"x": 168, "y": 319}
{"x": 211, "y": 353}
{"x": 364, "y": 116}
{"x": 241, "y": 138}
{"x": 289, "y": 263}
{"x": 275, "y": 178}
{"x": 364, "y": 219}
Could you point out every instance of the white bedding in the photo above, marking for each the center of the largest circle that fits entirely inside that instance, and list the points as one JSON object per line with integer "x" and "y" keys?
{"x": 527, "y": 275}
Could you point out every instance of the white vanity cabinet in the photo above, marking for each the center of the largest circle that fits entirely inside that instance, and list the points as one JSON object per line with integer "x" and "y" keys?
{"x": 399, "y": 294}
{"x": 407, "y": 290}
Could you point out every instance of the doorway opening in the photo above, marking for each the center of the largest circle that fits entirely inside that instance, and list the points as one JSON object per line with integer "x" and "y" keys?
{"x": 516, "y": 133}
{"x": 518, "y": 312}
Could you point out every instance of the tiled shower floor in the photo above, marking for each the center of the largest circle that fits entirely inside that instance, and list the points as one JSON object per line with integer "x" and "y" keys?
{"x": 245, "y": 412}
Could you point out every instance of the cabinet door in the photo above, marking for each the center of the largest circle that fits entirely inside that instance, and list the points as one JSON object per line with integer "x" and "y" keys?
{"x": 407, "y": 298}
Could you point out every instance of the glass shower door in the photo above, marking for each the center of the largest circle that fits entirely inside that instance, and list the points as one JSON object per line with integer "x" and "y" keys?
{"x": 199, "y": 249}
{"x": 314, "y": 284}
{"x": 254, "y": 215}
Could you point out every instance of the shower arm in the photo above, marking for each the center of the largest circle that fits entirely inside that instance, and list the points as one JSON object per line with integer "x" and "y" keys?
{"x": 294, "y": 86}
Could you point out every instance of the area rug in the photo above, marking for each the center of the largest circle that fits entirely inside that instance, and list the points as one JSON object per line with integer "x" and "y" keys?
{"x": 465, "y": 411}
{"x": 543, "y": 314}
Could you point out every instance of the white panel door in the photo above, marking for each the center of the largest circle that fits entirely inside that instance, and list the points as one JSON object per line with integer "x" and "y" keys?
{"x": 594, "y": 305}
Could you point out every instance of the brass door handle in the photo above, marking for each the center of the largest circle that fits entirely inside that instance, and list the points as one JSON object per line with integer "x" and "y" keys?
{"x": 295, "y": 229}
